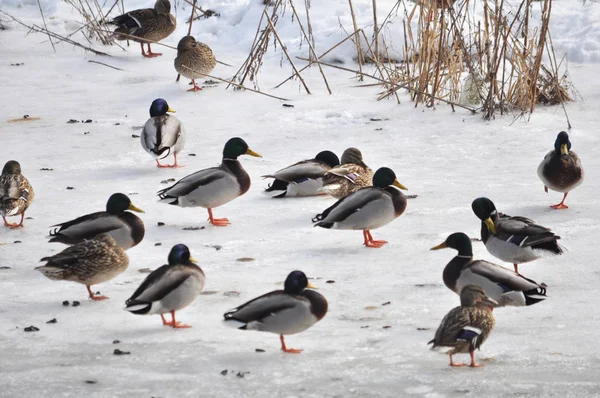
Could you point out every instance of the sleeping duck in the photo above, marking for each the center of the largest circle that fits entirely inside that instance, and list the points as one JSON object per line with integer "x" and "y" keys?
{"x": 515, "y": 240}
{"x": 289, "y": 311}
{"x": 213, "y": 187}
{"x": 16, "y": 193}
{"x": 465, "y": 328}
{"x": 352, "y": 175}
{"x": 504, "y": 286}
{"x": 368, "y": 208}
{"x": 125, "y": 228}
{"x": 194, "y": 60}
{"x": 89, "y": 262}
{"x": 169, "y": 288}
{"x": 147, "y": 25}
{"x": 561, "y": 169}
{"x": 304, "y": 178}
{"x": 163, "y": 134}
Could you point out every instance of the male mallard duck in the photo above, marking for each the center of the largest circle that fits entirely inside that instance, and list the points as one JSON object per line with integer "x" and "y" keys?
{"x": 16, "y": 194}
{"x": 147, "y": 25}
{"x": 194, "y": 60}
{"x": 289, "y": 311}
{"x": 163, "y": 134}
{"x": 213, "y": 187}
{"x": 466, "y": 328}
{"x": 561, "y": 169}
{"x": 368, "y": 208}
{"x": 169, "y": 288}
{"x": 304, "y": 178}
{"x": 501, "y": 284}
{"x": 126, "y": 228}
{"x": 90, "y": 262}
{"x": 352, "y": 175}
{"x": 515, "y": 240}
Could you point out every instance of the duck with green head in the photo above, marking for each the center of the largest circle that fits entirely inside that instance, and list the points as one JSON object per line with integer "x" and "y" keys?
{"x": 213, "y": 187}
{"x": 368, "y": 208}
{"x": 163, "y": 134}
{"x": 561, "y": 169}
{"x": 124, "y": 227}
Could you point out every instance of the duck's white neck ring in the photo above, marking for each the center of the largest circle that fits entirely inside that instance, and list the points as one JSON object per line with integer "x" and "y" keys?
{"x": 233, "y": 160}
{"x": 463, "y": 256}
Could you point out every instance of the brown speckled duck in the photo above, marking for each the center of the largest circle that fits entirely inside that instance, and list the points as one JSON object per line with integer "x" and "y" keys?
{"x": 561, "y": 169}
{"x": 466, "y": 328}
{"x": 152, "y": 24}
{"x": 194, "y": 60}
{"x": 90, "y": 262}
{"x": 16, "y": 194}
{"x": 352, "y": 175}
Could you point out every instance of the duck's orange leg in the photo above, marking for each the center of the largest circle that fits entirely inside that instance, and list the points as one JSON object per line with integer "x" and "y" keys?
{"x": 14, "y": 225}
{"x": 164, "y": 166}
{"x": 369, "y": 242}
{"x": 175, "y": 324}
{"x": 285, "y": 349}
{"x": 196, "y": 87}
{"x": 473, "y": 364}
{"x": 516, "y": 267}
{"x": 219, "y": 222}
{"x": 95, "y": 298}
{"x": 562, "y": 204}
{"x": 150, "y": 54}
{"x": 454, "y": 364}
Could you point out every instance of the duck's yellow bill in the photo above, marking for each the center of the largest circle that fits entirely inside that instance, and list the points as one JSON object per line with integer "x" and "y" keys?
{"x": 311, "y": 286}
{"x": 396, "y": 183}
{"x": 490, "y": 224}
{"x": 134, "y": 208}
{"x": 192, "y": 259}
{"x": 564, "y": 149}
{"x": 171, "y": 110}
{"x": 440, "y": 246}
{"x": 252, "y": 153}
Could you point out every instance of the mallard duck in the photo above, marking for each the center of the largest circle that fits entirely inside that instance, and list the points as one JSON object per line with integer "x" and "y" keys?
{"x": 169, "y": 288}
{"x": 561, "y": 169}
{"x": 16, "y": 193}
{"x": 194, "y": 60}
{"x": 504, "y": 286}
{"x": 304, "y": 178}
{"x": 163, "y": 134}
{"x": 90, "y": 262}
{"x": 147, "y": 25}
{"x": 289, "y": 311}
{"x": 352, "y": 175}
{"x": 213, "y": 187}
{"x": 126, "y": 228}
{"x": 368, "y": 208}
{"x": 466, "y": 328}
{"x": 516, "y": 239}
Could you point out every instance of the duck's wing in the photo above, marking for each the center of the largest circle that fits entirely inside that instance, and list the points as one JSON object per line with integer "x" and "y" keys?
{"x": 504, "y": 277}
{"x": 159, "y": 283}
{"x": 193, "y": 181}
{"x": 73, "y": 254}
{"x": 86, "y": 226}
{"x": 305, "y": 169}
{"x": 455, "y": 326}
{"x": 349, "y": 172}
{"x": 524, "y": 232}
{"x": 260, "y": 308}
{"x": 133, "y": 20}
{"x": 351, "y": 204}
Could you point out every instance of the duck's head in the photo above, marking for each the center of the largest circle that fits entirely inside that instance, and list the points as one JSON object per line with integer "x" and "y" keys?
{"x": 485, "y": 210}
{"x": 118, "y": 203}
{"x": 457, "y": 241}
{"x": 180, "y": 254}
{"x": 562, "y": 143}
{"x": 471, "y": 295}
{"x": 162, "y": 6}
{"x": 353, "y": 156}
{"x": 384, "y": 177}
{"x": 236, "y": 147}
{"x": 186, "y": 43}
{"x": 328, "y": 157}
{"x": 296, "y": 283}
{"x": 160, "y": 107}
{"x": 12, "y": 167}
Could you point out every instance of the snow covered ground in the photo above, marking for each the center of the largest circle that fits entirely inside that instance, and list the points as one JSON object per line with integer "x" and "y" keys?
{"x": 362, "y": 347}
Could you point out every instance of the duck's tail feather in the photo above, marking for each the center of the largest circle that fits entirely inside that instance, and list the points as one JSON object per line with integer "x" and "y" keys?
{"x": 137, "y": 307}
{"x": 534, "y": 296}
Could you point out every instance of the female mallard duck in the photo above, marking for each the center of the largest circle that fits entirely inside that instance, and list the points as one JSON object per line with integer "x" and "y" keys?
{"x": 289, "y": 311}
{"x": 501, "y": 284}
{"x": 561, "y": 169}
{"x": 16, "y": 194}
{"x": 368, "y": 208}
{"x": 213, "y": 187}
{"x": 515, "y": 240}
{"x": 126, "y": 228}
{"x": 147, "y": 25}
{"x": 90, "y": 262}
{"x": 304, "y": 178}
{"x": 466, "y": 328}
{"x": 169, "y": 288}
{"x": 194, "y": 60}
{"x": 163, "y": 134}
{"x": 351, "y": 176}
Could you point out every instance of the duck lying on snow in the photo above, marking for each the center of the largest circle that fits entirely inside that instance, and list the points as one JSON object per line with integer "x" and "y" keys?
{"x": 163, "y": 134}
{"x": 352, "y": 175}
